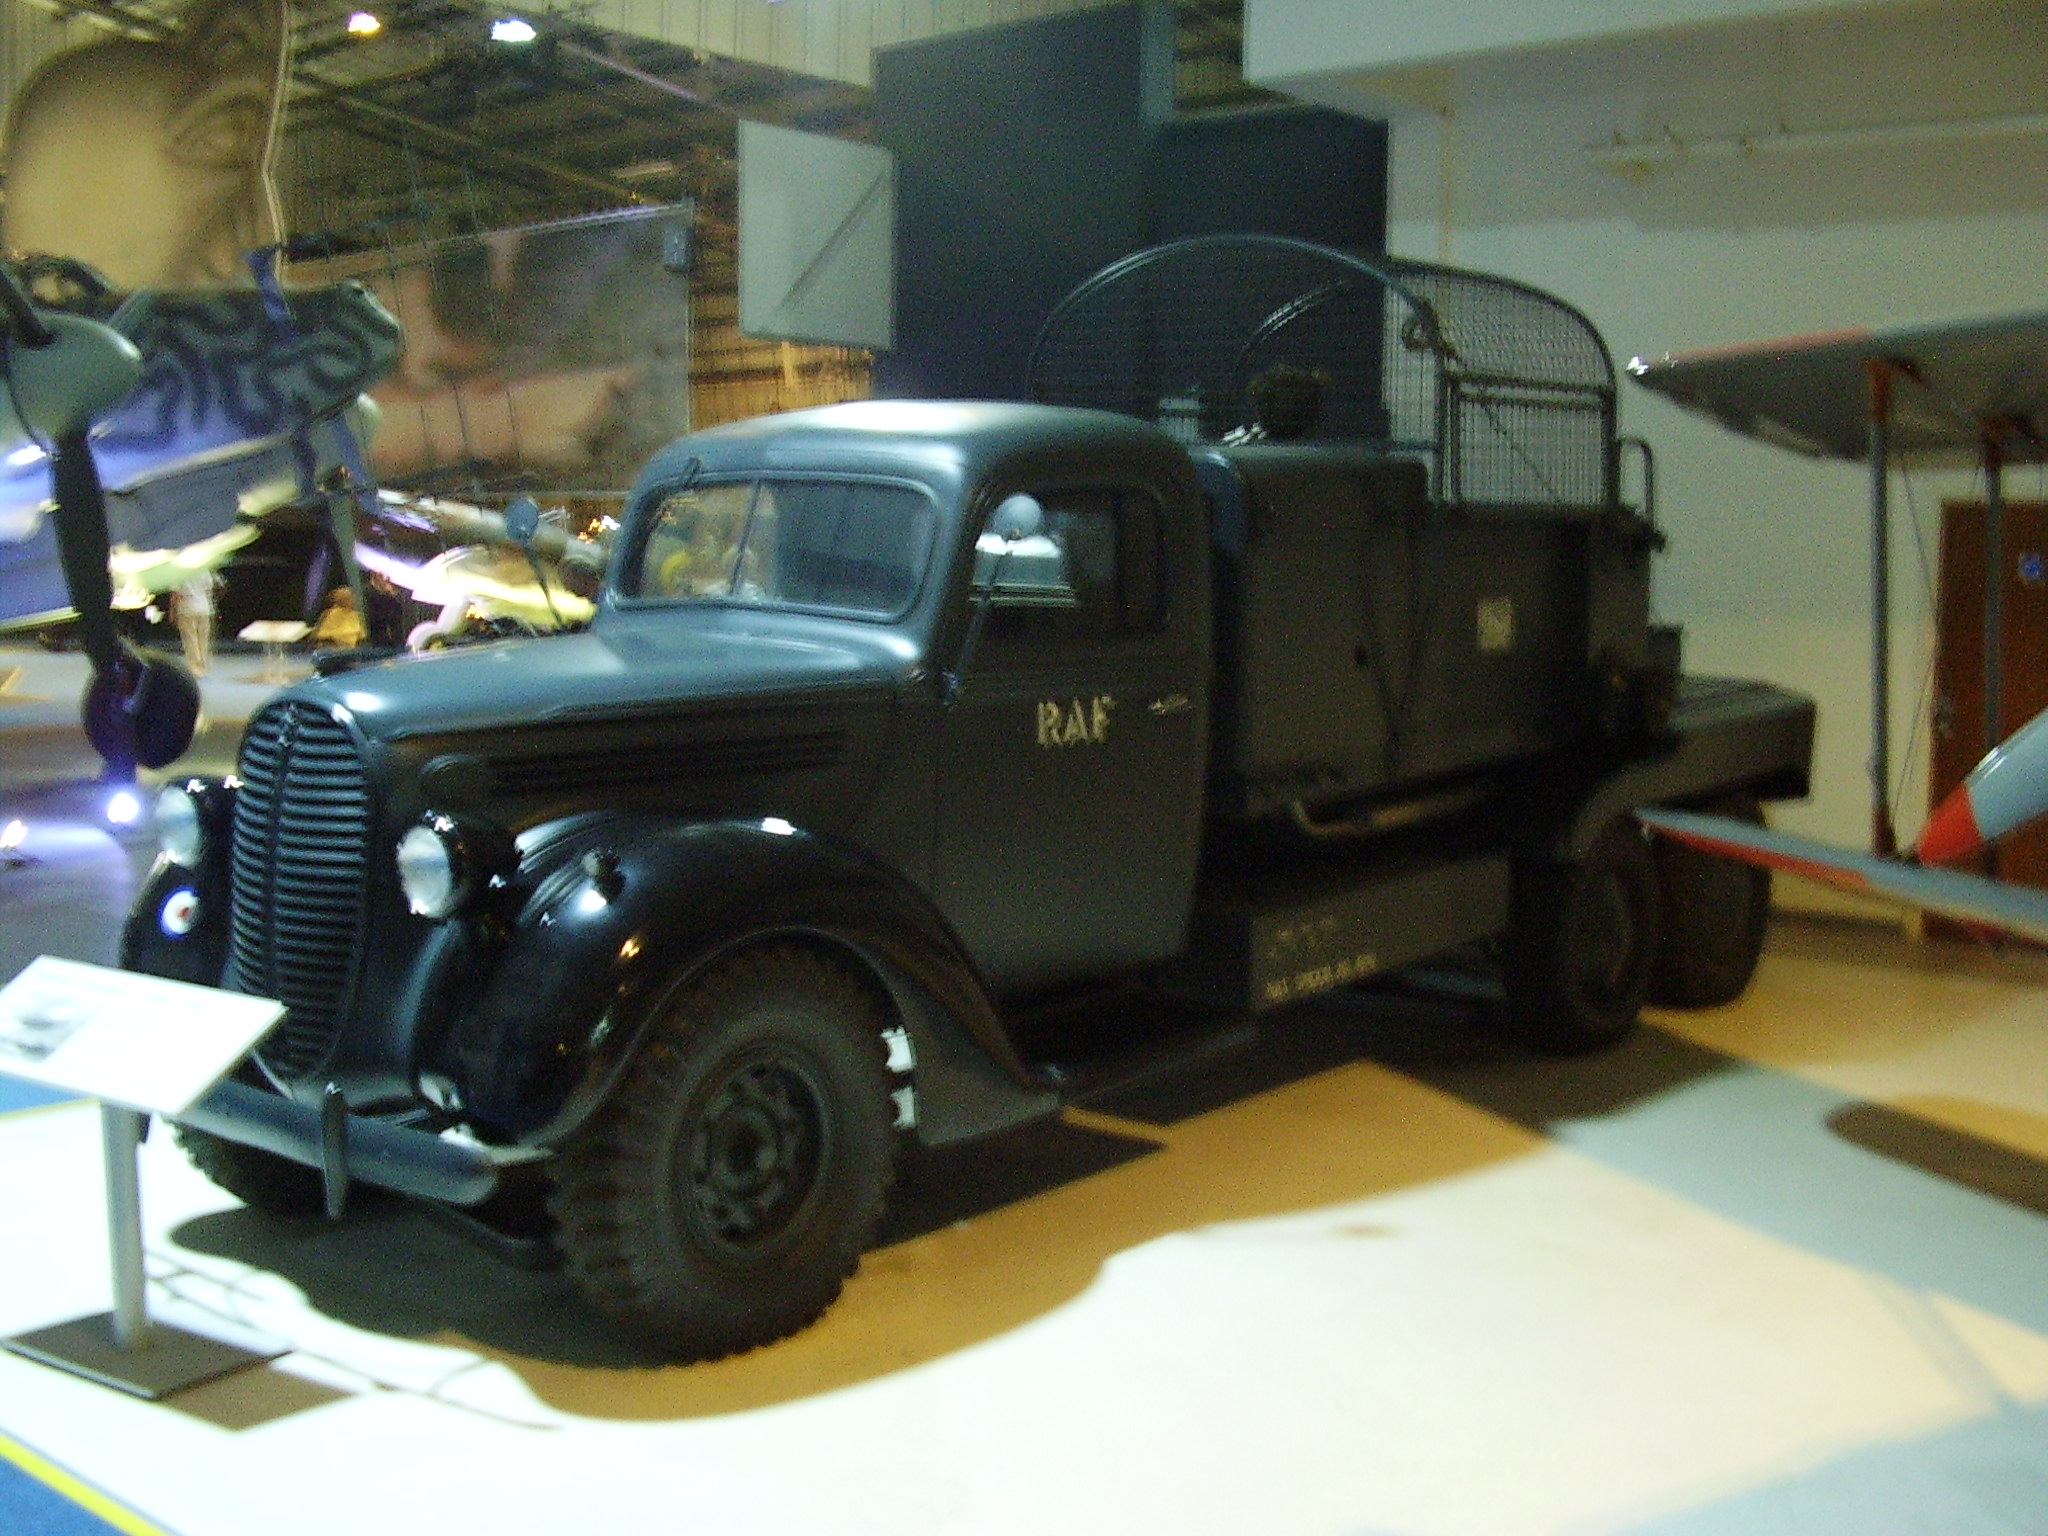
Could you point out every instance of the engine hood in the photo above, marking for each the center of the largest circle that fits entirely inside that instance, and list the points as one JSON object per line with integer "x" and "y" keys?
{"x": 630, "y": 671}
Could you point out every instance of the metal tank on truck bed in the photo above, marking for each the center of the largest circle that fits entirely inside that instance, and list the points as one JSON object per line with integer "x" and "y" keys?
{"x": 1302, "y": 633}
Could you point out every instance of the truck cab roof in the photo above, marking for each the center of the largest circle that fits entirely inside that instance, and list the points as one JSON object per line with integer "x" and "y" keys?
{"x": 940, "y": 443}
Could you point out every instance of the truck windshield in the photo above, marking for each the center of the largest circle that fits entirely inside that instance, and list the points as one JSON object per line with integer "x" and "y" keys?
{"x": 848, "y": 546}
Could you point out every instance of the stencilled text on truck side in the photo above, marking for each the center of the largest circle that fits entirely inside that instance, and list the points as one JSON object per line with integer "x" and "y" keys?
{"x": 1076, "y": 722}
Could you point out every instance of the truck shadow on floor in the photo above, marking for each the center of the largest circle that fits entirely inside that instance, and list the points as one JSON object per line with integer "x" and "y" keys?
{"x": 1360, "y": 1095}
{"x": 979, "y": 1239}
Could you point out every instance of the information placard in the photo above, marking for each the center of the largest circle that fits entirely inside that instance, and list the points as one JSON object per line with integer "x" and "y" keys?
{"x": 140, "y": 1041}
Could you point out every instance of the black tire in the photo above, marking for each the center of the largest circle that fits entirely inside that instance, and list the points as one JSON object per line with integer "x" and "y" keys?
{"x": 1714, "y": 912}
{"x": 264, "y": 1180}
{"x": 730, "y": 1184}
{"x": 1582, "y": 944}
{"x": 145, "y": 715}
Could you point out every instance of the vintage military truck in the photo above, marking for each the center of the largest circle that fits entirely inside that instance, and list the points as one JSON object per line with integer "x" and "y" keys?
{"x": 899, "y": 717}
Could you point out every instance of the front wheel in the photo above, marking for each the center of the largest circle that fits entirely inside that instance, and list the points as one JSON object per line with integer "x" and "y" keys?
{"x": 1582, "y": 944}
{"x": 731, "y": 1183}
{"x": 259, "y": 1179}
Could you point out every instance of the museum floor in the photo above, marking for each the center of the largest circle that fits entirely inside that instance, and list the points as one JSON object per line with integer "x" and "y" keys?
{"x": 1779, "y": 1269}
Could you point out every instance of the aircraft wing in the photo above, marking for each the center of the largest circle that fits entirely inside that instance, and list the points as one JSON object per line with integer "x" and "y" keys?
{"x": 1812, "y": 393}
{"x": 2015, "y": 909}
{"x": 32, "y": 590}
{"x": 233, "y": 413}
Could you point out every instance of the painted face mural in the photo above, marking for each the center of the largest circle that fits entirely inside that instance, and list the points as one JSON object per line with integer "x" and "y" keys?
{"x": 150, "y": 161}
{"x": 138, "y": 173}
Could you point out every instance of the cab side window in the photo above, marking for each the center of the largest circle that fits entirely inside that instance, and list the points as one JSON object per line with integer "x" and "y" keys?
{"x": 1089, "y": 575}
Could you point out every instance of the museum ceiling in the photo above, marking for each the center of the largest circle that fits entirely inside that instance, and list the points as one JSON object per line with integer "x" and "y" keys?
{"x": 429, "y": 128}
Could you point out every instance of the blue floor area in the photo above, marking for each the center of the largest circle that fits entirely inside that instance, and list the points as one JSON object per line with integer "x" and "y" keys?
{"x": 30, "y": 1507}
{"x": 27, "y": 1508}
{"x": 15, "y": 1094}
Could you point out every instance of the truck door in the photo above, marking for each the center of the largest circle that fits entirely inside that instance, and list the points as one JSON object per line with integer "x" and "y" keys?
{"x": 1071, "y": 769}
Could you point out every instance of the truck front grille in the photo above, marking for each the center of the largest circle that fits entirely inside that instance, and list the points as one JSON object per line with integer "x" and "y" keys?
{"x": 300, "y": 876}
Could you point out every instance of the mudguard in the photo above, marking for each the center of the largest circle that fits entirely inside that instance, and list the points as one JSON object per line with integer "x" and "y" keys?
{"x": 624, "y": 910}
{"x": 178, "y": 926}
{"x": 1727, "y": 735}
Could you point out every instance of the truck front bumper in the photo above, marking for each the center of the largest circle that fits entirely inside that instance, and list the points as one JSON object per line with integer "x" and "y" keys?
{"x": 347, "y": 1147}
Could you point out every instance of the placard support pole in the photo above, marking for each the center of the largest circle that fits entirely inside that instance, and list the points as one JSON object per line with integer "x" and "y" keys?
{"x": 123, "y": 1349}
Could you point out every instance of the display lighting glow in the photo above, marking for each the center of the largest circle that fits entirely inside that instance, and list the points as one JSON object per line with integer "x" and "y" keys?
{"x": 123, "y": 808}
{"x": 778, "y": 826}
{"x": 364, "y": 24}
{"x": 512, "y": 29}
{"x": 22, "y": 457}
{"x": 13, "y": 835}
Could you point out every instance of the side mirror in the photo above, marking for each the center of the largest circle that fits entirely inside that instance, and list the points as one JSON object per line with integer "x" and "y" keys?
{"x": 1017, "y": 517}
{"x": 1016, "y": 562}
{"x": 1012, "y": 544}
{"x": 79, "y": 371}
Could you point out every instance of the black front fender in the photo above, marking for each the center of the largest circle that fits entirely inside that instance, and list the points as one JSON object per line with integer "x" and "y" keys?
{"x": 178, "y": 925}
{"x": 628, "y": 909}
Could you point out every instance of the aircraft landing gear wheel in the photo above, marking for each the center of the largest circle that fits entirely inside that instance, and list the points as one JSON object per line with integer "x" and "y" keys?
{"x": 724, "y": 1193}
{"x": 145, "y": 715}
{"x": 1582, "y": 943}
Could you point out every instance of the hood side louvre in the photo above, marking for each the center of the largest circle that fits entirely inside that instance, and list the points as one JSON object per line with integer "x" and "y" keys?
{"x": 560, "y": 767}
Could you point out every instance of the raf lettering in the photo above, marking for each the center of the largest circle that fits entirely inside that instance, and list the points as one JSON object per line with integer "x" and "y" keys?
{"x": 1074, "y": 723}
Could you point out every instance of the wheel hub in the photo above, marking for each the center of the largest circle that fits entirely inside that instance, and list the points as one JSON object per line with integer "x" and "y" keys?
{"x": 754, "y": 1156}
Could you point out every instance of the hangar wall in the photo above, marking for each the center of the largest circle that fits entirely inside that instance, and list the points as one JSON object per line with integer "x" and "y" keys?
{"x": 833, "y": 38}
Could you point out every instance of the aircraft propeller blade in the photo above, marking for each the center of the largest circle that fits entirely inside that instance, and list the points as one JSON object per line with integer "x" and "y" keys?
{"x": 2006, "y": 790}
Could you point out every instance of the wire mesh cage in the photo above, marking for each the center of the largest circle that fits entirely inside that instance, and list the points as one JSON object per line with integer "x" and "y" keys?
{"x": 1507, "y": 392}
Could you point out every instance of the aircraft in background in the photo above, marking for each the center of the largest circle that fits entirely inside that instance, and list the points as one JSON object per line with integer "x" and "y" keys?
{"x": 161, "y": 420}
{"x": 1928, "y": 393}
{"x": 2004, "y": 792}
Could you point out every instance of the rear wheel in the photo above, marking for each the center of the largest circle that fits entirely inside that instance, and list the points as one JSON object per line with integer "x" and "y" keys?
{"x": 1582, "y": 943}
{"x": 730, "y": 1185}
{"x": 1713, "y": 915}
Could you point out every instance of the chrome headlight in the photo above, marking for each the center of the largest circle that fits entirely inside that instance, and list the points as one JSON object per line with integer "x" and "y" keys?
{"x": 189, "y": 814}
{"x": 443, "y": 863}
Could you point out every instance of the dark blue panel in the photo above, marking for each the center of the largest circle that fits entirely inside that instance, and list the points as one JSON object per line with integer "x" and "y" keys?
{"x": 1300, "y": 171}
{"x": 1032, "y": 155}
{"x": 1021, "y": 163}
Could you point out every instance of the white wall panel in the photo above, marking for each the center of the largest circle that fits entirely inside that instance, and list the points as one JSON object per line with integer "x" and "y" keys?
{"x": 816, "y": 239}
{"x": 1292, "y": 36}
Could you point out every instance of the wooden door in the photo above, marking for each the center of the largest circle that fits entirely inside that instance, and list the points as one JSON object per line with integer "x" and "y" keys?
{"x": 1959, "y": 658}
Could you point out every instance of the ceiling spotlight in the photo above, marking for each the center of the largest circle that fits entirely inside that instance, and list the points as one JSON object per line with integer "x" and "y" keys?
{"x": 363, "y": 24}
{"x": 512, "y": 29}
